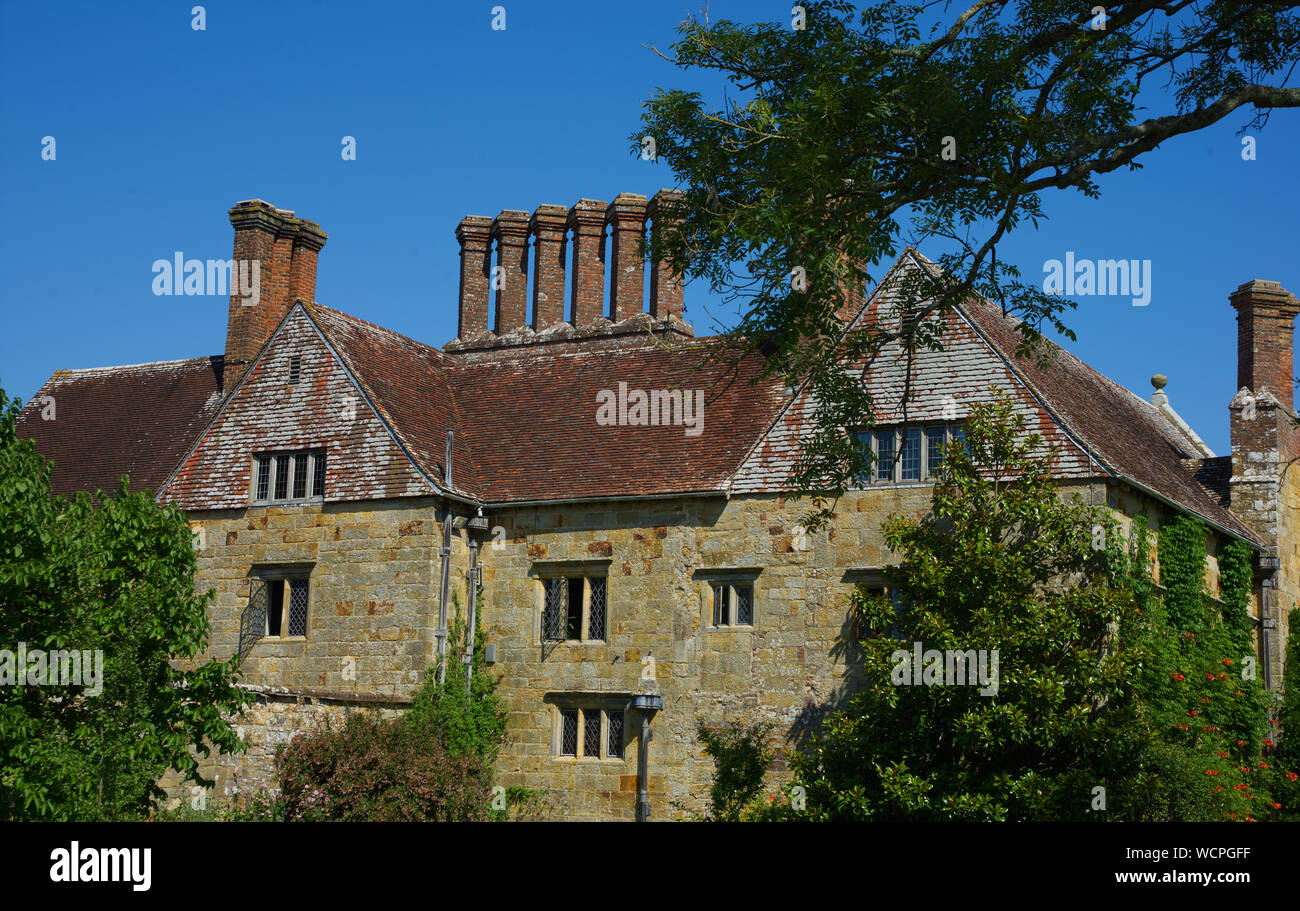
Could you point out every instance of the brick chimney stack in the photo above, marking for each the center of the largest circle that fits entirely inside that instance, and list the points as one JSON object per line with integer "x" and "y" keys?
{"x": 474, "y": 233}
{"x": 665, "y": 284}
{"x": 548, "y": 227}
{"x": 284, "y": 249}
{"x": 587, "y": 219}
{"x": 628, "y": 215}
{"x": 1264, "y": 443}
{"x": 511, "y": 231}
{"x": 1265, "y": 332}
{"x": 553, "y": 266}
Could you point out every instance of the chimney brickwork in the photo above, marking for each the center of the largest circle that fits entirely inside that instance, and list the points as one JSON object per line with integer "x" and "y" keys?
{"x": 1264, "y": 443}
{"x": 627, "y": 215}
{"x": 511, "y": 231}
{"x": 587, "y": 221}
{"x": 474, "y": 234}
{"x": 285, "y": 249}
{"x": 666, "y": 286}
{"x": 556, "y": 261}
{"x": 549, "y": 227}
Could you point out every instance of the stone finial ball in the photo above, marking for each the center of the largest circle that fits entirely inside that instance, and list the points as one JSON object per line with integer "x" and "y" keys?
{"x": 1159, "y": 380}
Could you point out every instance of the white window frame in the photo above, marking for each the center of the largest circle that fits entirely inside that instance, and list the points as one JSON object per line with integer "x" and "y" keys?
{"x": 273, "y": 467}
{"x": 925, "y": 476}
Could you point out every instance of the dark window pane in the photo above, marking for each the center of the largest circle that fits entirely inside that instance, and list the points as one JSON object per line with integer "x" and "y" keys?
{"x": 884, "y": 455}
{"x": 297, "y": 607}
{"x": 744, "y": 605}
{"x": 263, "y": 476}
{"x": 863, "y": 438}
{"x": 615, "y": 746}
{"x": 596, "y": 612}
{"x": 281, "y": 477}
{"x": 569, "y": 732}
{"x": 295, "y": 369}
{"x": 300, "y": 476}
{"x": 553, "y": 616}
{"x": 573, "y": 612}
{"x": 910, "y": 457}
{"x": 318, "y": 474}
{"x": 959, "y": 435}
{"x": 275, "y": 609}
{"x": 591, "y": 732}
{"x": 934, "y": 440}
{"x": 721, "y": 605}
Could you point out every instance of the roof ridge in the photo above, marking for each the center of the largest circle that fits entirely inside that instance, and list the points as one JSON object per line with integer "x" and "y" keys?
{"x": 203, "y": 359}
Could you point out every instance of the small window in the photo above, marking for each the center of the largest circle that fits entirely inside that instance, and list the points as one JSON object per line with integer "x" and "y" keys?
{"x": 590, "y": 732}
{"x": 934, "y": 442}
{"x": 733, "y": 604}
{"x": 569, "y": 732}
{"x": 295, "y": 369}
{"x": 289, "y": 477}
{"x": 318, "y": 475}
{"x": 907, "y": 454}
{"x": 282, "y": 477}
{"x": 910, "y": 458}
{"x": 286, "y": 605}
{"x": 879, "y": 590}
{"x": 615, "y": 748}
{"x": 263, "y": 477}
{"x": 884, "y": 455}
{"x": 575, "y": 609}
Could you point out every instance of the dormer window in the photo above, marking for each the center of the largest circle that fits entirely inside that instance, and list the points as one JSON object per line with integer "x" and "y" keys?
{"x": 295, "y": 369}
{"x": 289, "y": 477}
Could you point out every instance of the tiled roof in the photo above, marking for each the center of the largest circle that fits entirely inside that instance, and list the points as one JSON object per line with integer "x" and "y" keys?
{"x": 525, "y": 418}
{"x": 531, "y": 420}
{"x": 107, "y": 422}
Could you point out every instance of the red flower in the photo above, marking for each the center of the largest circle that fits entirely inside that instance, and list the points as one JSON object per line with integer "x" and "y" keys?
{"x": 1189, "y": 635}
{"x": 1193, "y": 714}
{"x": 1223, "y": 676}
{"x": 1263, "y": 765}
{"x": 1276, "y": 805}
{"x": 1176, "y": 676}
{"x": 1291, "y": 775}
{"x": 1211, "y": 771}
{"x": 1182, "y": 727}
{"x": 1250, "y": 819}
{"x": 1269, "y": 743}
{"x": 1218, "y": 787}
{"x": 1244, "y": 769}
{"x": 1241, "y": 743}
{"x": 1228, "y": 662}
{"x": 1209, "y": 676}
{"x": 1224, "y": 755}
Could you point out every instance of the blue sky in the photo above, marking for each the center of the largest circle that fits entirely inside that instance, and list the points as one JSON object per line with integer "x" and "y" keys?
{"x": 160, "y": 129}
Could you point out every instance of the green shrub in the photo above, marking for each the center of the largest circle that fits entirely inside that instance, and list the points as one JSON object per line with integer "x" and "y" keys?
{"x": 741, "y": 759}
{"x": 380, "y": 771}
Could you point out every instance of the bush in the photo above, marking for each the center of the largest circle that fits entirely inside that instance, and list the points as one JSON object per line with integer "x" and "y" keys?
{"x": 380, "y": 771}
{"x": 741, "y": 759}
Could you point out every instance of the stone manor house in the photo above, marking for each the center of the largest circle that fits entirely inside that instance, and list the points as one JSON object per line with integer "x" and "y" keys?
{"x": 615, "y": 482}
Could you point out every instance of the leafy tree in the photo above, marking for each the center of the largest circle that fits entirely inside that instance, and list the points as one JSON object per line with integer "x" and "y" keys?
{"x": 112, "y": 575}
{"x": 467, "y": 721}
{"x": 741, "y": 758}
{"x": 845, "y": 133}
{"x": 1107, "y": 702}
